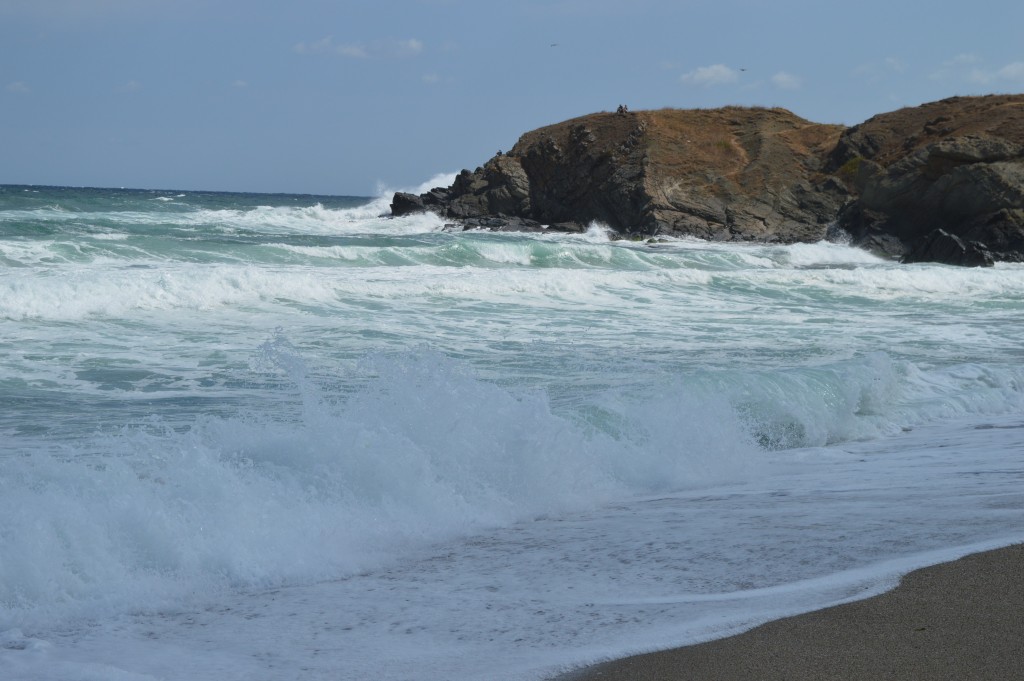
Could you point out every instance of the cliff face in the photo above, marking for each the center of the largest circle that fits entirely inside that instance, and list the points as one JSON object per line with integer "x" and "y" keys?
{"x": 739, "y": 173}
{"x": 942, "y": 181}
{"x": 944, "y": 175}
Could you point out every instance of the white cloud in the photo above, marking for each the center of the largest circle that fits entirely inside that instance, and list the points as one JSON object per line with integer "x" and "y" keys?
{"x": 874, "y": 72}
{"x": 716, "y": 74}
{"x": 979, "y": 76}
{"x": 1012, "y": 72}
{"x": 328, "y": 46}
{"x": 352, "y": 50}
{"x": 895, "y": 64}
{"x": 963, "y": 60}
{"x": 131, "y": 86}
{"x": 411, "y": 46}
{"x": 970, "y": 68}
{"x": 239, "y": 84}
{"x": 786, "y": 81}
{"x": 17, "y": 86}
{"x": 431, "y": 78}
{"x": 382, "y": 48}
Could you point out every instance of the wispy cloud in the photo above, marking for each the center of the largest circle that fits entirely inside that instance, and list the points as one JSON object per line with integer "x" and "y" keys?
{"x": 17, "y": 86}
{"x": 382, "y": 48}
{"x": 963, "y": 60}
{"x": 408, "y": 47}
{"x": 328, "y": 46}
{"x": 877, "y": 71}
{"x": 1012, "y": 72}
{"x": 239, "y": 84}
{"x": 130, "y": 86}
{"x": 716, "y": 74}
{"x": 971, "y": 68}
{"x": 894, "y": 64}
{"x": 787, "y": 81}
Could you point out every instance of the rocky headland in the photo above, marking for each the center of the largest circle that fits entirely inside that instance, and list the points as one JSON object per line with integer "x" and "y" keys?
{"x": 941, "y": 182}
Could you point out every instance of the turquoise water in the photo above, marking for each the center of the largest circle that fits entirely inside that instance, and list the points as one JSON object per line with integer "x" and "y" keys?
{"x": 206, "y": 397}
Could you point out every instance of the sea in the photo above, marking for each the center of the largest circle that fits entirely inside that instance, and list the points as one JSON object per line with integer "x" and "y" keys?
{"x": 274, "y": 437}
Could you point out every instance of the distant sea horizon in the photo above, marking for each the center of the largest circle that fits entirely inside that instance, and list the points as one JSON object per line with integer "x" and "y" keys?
{"x": 19, "y": 185}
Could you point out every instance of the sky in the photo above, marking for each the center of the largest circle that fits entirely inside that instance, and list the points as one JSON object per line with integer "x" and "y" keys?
{"x": 353, "y": 97}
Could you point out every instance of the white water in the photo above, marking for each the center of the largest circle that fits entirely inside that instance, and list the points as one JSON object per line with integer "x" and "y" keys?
{"x": 272, "y": 442}
{"x": 818, "y": 526}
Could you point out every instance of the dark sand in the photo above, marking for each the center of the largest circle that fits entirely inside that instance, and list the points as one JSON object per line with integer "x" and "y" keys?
{"x": 958, "y": 620}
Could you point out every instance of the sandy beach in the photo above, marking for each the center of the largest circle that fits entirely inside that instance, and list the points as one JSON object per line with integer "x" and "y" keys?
{"x": 957, "y": 620}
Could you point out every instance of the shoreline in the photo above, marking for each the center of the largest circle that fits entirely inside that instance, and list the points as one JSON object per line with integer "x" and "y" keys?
{"x": 962, "y": 619}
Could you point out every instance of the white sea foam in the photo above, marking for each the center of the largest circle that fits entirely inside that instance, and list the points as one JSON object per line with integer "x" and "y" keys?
{"x": 78, "y": 294}
{"x": 812, "y": 529}
{"x": 425, "y": 452}
{"x": 26, "y": 253}
{"x": 47, "y": 214}
{"x": 346, "y": 253}
{"x": 506, "y": 253}
{"x": 607, "y": 445}
{"x": 824, "y": 253}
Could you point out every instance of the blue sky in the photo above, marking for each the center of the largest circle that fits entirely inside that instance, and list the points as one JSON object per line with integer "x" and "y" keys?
{"x": 312, "y": 96}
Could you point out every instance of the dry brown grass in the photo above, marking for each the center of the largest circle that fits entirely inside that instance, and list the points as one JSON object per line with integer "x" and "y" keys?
{"x": 742, "y": 144}
{"x": 897, "y": 133}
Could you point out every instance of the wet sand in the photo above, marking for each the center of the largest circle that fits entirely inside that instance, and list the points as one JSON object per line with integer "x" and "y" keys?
{"x": 957, "y": 620}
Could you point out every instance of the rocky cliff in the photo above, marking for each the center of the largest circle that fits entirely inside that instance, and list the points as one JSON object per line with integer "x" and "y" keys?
{"x": 943, "y": 181}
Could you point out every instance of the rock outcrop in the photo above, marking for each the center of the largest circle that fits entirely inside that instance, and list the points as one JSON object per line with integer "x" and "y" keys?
{"x": 943, "y": 181}
{"x": 921, "y": 175}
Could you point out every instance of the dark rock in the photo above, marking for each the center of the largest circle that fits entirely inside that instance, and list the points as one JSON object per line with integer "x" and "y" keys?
{"x": 1002, "y": 232}
{"x": 943, "y": 247}
{"x": 503, "y": 223}
{"x": 436, "y": 197}
{"x": 567, "y": 227}
{"x": 404, "y": 204}
{"x": 956, "y": 165}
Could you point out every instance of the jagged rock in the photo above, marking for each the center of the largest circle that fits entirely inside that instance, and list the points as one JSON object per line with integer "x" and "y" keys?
{"x": 403, "y": 204}
{"x": 503, "y": 223}
{"x": 567, "y": 227}
{"x": 1002, "y": 233}
{"x": 734, "y": 173}
{"x": 956, "y": 165}
{"x": 941, "y": 246}
{"x": 437, "y": 197}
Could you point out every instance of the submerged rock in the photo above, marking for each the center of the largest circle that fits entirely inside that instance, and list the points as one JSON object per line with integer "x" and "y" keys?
{"x": 941, "y": 246}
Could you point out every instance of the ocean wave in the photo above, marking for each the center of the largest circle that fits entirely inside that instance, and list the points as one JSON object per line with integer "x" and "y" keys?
{"x": 320, "y": 483}
{"x": 156, "y": 515}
